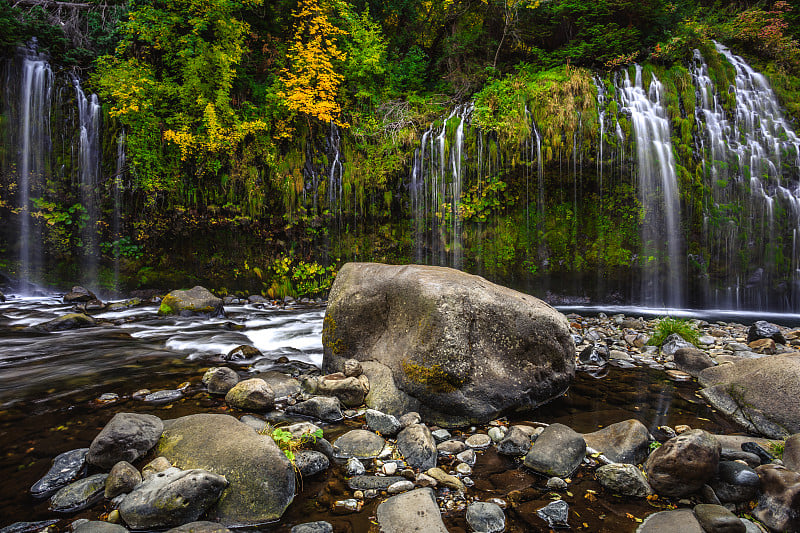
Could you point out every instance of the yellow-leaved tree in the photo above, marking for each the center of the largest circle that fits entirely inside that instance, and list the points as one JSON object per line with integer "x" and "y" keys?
{"x": 311, "y": 83}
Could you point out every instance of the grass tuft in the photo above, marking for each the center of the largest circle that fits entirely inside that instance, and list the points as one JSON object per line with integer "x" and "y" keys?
{"x": 668, "y": 325}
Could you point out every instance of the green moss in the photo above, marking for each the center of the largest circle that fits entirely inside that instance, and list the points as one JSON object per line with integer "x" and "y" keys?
{"x": 436, "y": 379}
{"x": 330, "y": 341}
{"x": 165, "y": 309}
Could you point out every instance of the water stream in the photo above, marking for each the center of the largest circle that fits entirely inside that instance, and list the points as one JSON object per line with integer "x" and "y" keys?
{"x": 51, "y": 383}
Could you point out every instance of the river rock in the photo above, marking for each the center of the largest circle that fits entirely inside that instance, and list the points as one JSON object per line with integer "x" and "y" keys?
{"x": 365, "y": 483}
{"x": 594, "y": 355}
{"x": 557, "y": 452}
{"x": 717, "y": 519}
{"x": 791, "y": 453}
{"x": 758, "y": 394}
{"x": 382, "y": 423}
{"x": 679, "y": 520}
{"x": 163, "y": 397}
{"x": 310, "y": 462}
{"x": 79, "y": 495}
{"x": 623, "y": 442}
{"x": 200, "y": 527}
{"x": 313, "y": 527}
{"x": 261, "y": 479}
{"x": 66, "y": 468}
{"x": 97, "y": 526}
{"x": 692, "y": 360}
{"x": 763, "y": 346}
{"x": 79, "y": 294}
{"x": 323, "y": 408}
{"x": 354, "y": 467}
{"x": 196, "y": 301}
{"x": 735, "y": 482}
{"x": 479, "y": 441}
{"x": 449, "y": 339}
{"x": 349, "y": 390}
{"x": 674, "y": 343}
{"x": 220, "y": 380}
{"x": 28, "y": 527}
{"x": 251, "y": 394}
{"x": 623, "y": 479}
{"x": 359, "y": 443}
{"x": 352, "y": 368}
{"x": 159, "y": 464}
{"x": 122, "y": 479}
{"x": 764, "y": 330}
{"x": 126, "y": 437}
{"x": 411, "y": 512}
{"x": 400, "y": 486}
{"x": 683, "y": 464}
{"x": 556, "y": 514}
{"x": 779, "y": 505}
{"x": 283, "y": 385}
{"x": 515, "y": 443}
{"x": 66, "y": 322}
{"x": 485, "y": 517}
{"x": 450, "y": 447}
{"x": 171, "y": 498}
{"x": 417, "y": 446}
{"x": 443, "y": 479}
{"x": 242, "y": 352}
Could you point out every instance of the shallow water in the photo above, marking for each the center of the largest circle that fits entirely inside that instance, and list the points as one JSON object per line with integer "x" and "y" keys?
{"x": 50, "y": 383}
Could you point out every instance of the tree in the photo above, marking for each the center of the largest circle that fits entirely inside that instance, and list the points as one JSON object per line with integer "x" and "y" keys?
{"x": 311, "y": 84}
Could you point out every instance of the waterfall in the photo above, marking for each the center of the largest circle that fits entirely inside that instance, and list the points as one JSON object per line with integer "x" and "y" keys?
{"x": 658, "y": 190}
{"x": 33, "y": 155}
{"x": 89, "y": 170}
{"x": 118, "y": 186}
{"x": 436, "y": 185}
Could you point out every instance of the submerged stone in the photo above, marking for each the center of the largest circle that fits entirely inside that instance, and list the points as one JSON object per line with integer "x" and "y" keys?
{"x": 66, "y": 468}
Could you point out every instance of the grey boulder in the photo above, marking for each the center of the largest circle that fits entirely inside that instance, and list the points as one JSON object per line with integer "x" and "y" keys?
{"x": 417, "y": 446}
{"x": 196, "y": 301}
{"x": 623, "y": 442}
{"x": 683, "y": 464}
{"x": 79, "y": 495}
{"x": 623, "y": 479}
{"x": 411, "y": 512}
{"x": 558, "y": 451}
{"x": 126, "y": 437}
{"x": 171, "y": 498}
{"x": 465, "y": 349}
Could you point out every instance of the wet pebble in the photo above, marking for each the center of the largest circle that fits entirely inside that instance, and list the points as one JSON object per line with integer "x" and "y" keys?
{"x": 479, "y": 441}
{"x": 163, "y": 397}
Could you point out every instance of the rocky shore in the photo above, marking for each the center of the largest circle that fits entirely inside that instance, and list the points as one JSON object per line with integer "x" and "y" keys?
{"x": 244, "y": 462}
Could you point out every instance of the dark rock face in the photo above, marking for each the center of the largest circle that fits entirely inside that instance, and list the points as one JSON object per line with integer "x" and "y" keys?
{"x": 261, "y": 479}
{"x": 66, "y": 322}
{"x": 412, "y": 511}
{"x": 718, "y": 519}
{"x": 735, "y": 482}
{"x": 310, "y": 462}
{"x": 171, "y": 498}
{"x": 558, "y": 451}
{"x": 79, "y": 294}
{"x": 758, "y": 394}
{"x": 196, "y": 301}
{"x": 683, "y": 464}
{"x": 765, "y": 330}
{"x": 418, "y": 446}
{"x": 79, "y": 495}
{"x": 449, "y": 339}
{"x": 67, "y": 467}
{"x": 692, "y": 360}
{"x": 623, "y": 442}
{"x": 779, "y": 505}
{"x": 126, "y": 437}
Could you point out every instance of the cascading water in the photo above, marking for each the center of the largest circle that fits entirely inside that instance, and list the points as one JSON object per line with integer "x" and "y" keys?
{"x": 89, "y": 170}
{"x": 118, "y": 186}
{"x": 32, "y": 114}
{"x": 435, "y": 188}
{"x": 658, "y": 190}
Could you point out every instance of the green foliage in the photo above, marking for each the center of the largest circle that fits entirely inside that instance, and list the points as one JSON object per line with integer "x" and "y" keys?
{"x": 668, "y": 325}
{"x": 287, "y": 442}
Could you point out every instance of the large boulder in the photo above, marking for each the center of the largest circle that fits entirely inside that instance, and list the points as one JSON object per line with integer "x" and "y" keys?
{"x": 558, "y": 451}
{"x": 449, "y": 339}
{"x": 126, "y": 437}
{"x": 79, "y": 294}
{"x": 196, "y": 301}
{"x": 410, "y": 512}
{"x": 66, "y": 322}
{"x": 171, "y": 498}
{"x": 758, "y": 394}
{"x": 261, "y": 479}
{"x": 683, "y": 464}
{"x": 623, "y": 442}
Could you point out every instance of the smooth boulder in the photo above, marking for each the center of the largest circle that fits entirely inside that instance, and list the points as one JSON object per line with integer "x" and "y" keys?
{"x": 449, "y": 339}
{"x": 411, "y": 512}
{"x": 197, "y": 301}
{"x": 558, "y": 451}
{"x": 623, "y": 442}
{"x": 126, "y": 437}
{"x": 683, "y": 464}
{"x": 261, "y": 479}
{"x": 171, "y": 498}
{"x": 758, "y": 394}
